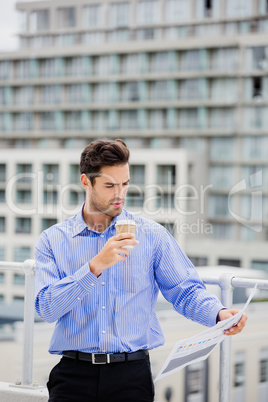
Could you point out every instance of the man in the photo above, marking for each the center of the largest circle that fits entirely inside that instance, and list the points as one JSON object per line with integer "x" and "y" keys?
{"x": 102, "y": 296}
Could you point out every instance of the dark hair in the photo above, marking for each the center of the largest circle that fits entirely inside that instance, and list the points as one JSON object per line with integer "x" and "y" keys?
{"x": 102, "y": 153}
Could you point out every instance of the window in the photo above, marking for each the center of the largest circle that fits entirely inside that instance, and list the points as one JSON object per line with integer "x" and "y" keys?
{"x": 21, "y": 254}
{"x": 2, "y": 196}
{"x": 238, "y": 8}
{"x": 74, "y": 174}
{"x": 24, "y": 95}
{"x": 255, "y": 147}
{"x": 130, "y": 64}
{"x": 2, "y": 253}
{"x": 47, "y": 121}
{"x": 148, "y": 12}
{"x": 218, "y": 206}
{"x": 134, "y": 199}
{"x": 23, "y": 225}
{"x": 2, "y": 277}
{"x": 160, "y": 62}
{"x": 51, "y": 173}
{"x": 101, "y": 93}
{"x": 177, "y": 10}
{"x": 39, "y": 20}
{"x": 221, "y": 177}
{"x": 2, "y": 172}
{"x": 19, "y": 279}
{"x": 50, "y": 197}
{"x": 129, "y": 120}
{"x": 160, "y": 91}
{"x": 47, "y": 68}
{"x": 23, "y": 121}
{"x": 24, "y": 172}
{"x": 22, "y": 69}
{"x": 5, "y": 70}
{"x": 191, "y": 89}
{"x": 74, "y": 93}
{"x": 47, "y": 222}
{"x": 166, "y": 174}
{"x": 224, "y": 59}
{"x": 229, "y": 263}
{"x": 74, "y": 66}
{"x": 92, "y": 16}
{"x": 137, "y": 174}
{"x": 260, "y": 265}
{"x": 257, "y": 88}
{"x": 66, "y": 17}
{"x": 2, "y": 224}
{"x": 50, "y": 94}
{"x": 24, "y": 196}
{"x": 199, "y": 261}
{"x": 239, "y": 370}
{"x": 260, "y": 57}
{"x": 130, "y": 92}
{"x": 102, "y": 65}
{"x": 93, "y": 38}
{"x": 119, "y": 14}
{"x": 223, "y": 231}
{"x": 73, "y": 121}
{"x": 157, "y": 119}
{"x": 76, "y": 198}
{"x": 222, "y": 149}
{"x": 263, "y": 370}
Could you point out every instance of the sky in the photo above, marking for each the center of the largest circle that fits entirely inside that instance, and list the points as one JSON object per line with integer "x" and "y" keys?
{"x": 8, "y": 25}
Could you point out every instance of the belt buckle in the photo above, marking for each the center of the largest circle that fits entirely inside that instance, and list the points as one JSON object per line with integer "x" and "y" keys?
{"x": 96, "y": 356}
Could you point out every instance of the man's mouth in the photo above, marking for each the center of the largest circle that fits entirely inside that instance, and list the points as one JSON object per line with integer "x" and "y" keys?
{"x": 117, "y": 204}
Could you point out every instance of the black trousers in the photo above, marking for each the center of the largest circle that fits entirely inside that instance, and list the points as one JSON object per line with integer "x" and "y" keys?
{"x": 79, "y": 381}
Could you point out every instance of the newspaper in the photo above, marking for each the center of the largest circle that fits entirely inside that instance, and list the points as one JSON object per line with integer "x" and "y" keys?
{"x": 200, "y": 346}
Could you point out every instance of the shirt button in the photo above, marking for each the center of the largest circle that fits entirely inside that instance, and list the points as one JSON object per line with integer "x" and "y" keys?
{"x": 101, "y": 236}
{"x": 103, "y": 307}
{"x": 78, "y": 298}
{"x": 104, "y": 350}
{"x": 103, "y": 331}
{"x": 92, "y": 284}
{"x": 103, "y": 283}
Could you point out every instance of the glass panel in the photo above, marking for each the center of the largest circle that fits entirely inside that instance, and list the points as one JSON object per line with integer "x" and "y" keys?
{"x": 23, "y": 122}
{"x": 137, "y": 174}
{"x": 166, "y": 174}
{"x": 224, "y": 59}
{"x": 39, "y": 20}
{"x": 50, "y": 94}
{"x": 224, "y": 231}
{"x": 66, "y": 17}
{"x": 218, "y": 206}
{"x": 23, "y": 225}
{"x": 47, "y": 120}
{"x": 18, "y": 279}
{"x": 2, "y": 253}
{"x": 177, "y": 10}
{"x": 21, "y": 254}
{"x": 2, "y": 224}
{"x": 238, "y": 8}
{"x": 50, "y": 197}
{"x": 24, "y": 95}
{"x": 24, "y": 196}
{"x": 47, "y": 222}
{"x": 222, "y": 177}
{"x": 260, "y": 265}
{"x": 222, "y": 149}
{"x": 93, "y": 38}
{"x": 119, "y": 15}
{"x": 51, "y": 173}
{"x": 148, "y": 12}
{"x": 92, "y": 16}
{"x": 2, "y": 172}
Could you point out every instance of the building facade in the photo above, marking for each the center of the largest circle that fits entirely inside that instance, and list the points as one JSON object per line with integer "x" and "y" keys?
{"x": 184, "y": 76}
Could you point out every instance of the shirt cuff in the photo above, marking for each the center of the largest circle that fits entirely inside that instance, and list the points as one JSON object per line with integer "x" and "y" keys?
{"x": 86, "y": 278}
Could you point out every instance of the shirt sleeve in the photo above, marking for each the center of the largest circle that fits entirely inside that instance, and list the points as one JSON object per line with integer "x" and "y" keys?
{"x": 57, "y": 295}
{"x": 181, "y": 285}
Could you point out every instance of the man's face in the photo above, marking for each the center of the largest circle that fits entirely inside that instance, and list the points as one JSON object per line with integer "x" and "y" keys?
{"x": 107, "y": 195}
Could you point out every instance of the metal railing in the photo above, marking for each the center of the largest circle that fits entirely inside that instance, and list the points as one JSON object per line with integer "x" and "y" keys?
{"x": 227, "y": 283}
{"x": 28, "y": 268}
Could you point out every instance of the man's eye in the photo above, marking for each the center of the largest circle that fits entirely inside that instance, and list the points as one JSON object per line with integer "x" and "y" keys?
{"x": 111, "y": 186}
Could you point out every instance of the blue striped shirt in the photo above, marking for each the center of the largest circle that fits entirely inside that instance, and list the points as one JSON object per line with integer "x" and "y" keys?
{"x": 116, "y": 311}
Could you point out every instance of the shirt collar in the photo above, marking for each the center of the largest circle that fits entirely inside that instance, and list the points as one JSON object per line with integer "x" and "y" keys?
{"x": 80, "y": 225}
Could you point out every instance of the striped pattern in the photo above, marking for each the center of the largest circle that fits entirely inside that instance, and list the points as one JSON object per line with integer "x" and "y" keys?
{"x": 115, "y": 312}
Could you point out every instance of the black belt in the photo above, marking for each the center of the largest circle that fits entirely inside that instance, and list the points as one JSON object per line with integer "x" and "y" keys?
{"x": 103, "y": 358}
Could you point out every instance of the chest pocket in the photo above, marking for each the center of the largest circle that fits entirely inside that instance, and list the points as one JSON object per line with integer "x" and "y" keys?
{"x": 132, "y": 275}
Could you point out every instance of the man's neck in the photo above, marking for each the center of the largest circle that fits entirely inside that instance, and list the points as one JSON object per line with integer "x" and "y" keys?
{"x": 96, "y": 220}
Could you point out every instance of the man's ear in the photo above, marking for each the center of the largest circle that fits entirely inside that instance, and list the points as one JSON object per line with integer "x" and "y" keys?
{"x": 85, "y": 181}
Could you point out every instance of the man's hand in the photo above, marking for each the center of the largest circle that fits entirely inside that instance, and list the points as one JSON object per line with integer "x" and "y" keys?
{"x": 112, "y": 252}
{"x": 225, "y": 313}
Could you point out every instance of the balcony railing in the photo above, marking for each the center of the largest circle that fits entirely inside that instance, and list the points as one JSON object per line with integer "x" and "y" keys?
{"x": 226, "y": 282}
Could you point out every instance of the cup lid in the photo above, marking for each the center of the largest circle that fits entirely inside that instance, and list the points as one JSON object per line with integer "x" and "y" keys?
{"x": 125, "y": 222}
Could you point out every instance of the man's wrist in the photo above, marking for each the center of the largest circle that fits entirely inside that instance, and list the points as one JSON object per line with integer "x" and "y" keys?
{"x": 94, "y": 268}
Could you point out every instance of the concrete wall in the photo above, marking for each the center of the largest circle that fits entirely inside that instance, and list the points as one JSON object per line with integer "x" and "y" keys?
{"x": 11, "y": 393}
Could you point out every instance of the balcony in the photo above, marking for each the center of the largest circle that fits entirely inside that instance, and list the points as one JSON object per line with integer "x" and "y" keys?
{"x": 29, "y": 391}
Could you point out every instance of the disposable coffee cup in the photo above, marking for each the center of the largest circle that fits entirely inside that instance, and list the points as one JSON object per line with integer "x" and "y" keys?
{"x": 126, "y": 226}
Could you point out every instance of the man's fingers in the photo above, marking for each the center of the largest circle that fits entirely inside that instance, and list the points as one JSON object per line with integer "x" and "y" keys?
{"x": 123, "y": 236}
